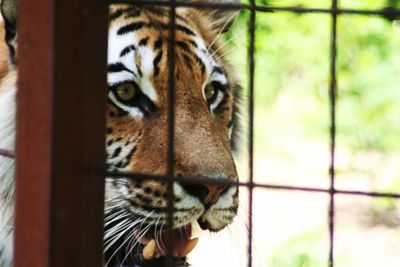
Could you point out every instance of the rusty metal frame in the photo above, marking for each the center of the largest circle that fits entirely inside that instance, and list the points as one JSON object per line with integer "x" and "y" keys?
{"x": 60, "y": 136}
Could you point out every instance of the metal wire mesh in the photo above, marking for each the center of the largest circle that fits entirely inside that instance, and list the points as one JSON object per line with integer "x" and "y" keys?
{"x": 334, "y": 11}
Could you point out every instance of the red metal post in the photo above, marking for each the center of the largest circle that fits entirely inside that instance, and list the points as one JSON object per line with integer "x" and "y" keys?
{"x": 60, "y": 133}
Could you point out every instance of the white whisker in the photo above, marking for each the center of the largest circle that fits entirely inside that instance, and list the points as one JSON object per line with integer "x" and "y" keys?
{"x": 123, "y": 243}
{"x": 111, "y": 233}
{"x": 111, "y": 219}
{"x": 225, "y": 53}
{"x": 228, "y": 40}
{"x": 220, "y": 31}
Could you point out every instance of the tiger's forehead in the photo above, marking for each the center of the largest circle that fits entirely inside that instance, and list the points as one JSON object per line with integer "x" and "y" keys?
{"x": 138, "y": 39}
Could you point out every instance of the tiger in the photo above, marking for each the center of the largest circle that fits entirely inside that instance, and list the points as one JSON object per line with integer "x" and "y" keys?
{"x": 206, "y": 126}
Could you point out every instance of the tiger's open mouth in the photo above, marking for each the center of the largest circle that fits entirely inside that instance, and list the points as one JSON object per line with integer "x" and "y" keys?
{"x": 151, "y": 248}
{"x": 156, "y": 246}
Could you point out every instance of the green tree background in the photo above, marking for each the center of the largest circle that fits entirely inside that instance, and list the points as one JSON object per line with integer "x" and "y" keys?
{"x": 292, "y": 102}
{"x": 292, "y": 61}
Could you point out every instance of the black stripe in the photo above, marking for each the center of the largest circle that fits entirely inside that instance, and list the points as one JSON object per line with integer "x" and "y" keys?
{"x": 125, "y": 162}
{"x": 117, "y": 67}
{"x": 188, "y": 61}
{"x": 183, "y": 46}
{"x": 116, "y": 152}
{"x": 111, "y": 141}
{"x": 119, "y": 13}
{"x": 127, "y": 49}
{"x": 144, "y": 41}
{"x": 161, "y": 26}
{"x": 220, "y": 86}
{"x": 129, "y": 12}
{"x": 156, "y": 61}
{"x": 185, "y": 29}
{"x": 139, "y": 70}
{"x": 193, "y": 43}
{"x": 179, "y": 17}
{"x": 129, "y": 156}
{"x": 116, "y": 14}
{"x": 158, "y": 43}
{"x": 130, "y": 28}
{"x": 217, "y": 70}
{"x": 203, "y": 67}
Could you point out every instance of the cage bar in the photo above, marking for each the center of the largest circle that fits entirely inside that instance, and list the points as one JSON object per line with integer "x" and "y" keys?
{"x": 169, "y": 262}
{"x": 332, "y": 104}
{"x": 264, "y": 8}
{"x": 250, "y": 186}
{"x": 60, "y": 135}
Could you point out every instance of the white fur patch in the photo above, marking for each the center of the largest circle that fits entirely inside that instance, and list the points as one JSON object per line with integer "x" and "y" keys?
{"x": 7, "y": 137}
{"x": 119, "y": 77}
{"x": 116, "y": 43}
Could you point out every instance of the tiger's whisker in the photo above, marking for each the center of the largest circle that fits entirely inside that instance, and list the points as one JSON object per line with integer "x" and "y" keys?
{"x": 227, "y": 41}
{"x": 123, "y": 243}
{"x": 221, "y": 30}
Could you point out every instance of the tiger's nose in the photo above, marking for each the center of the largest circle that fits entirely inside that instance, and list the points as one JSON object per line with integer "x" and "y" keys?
{"x": 207, "y": 193}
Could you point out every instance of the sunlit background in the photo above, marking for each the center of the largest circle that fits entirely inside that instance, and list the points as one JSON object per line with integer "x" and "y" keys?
{"x": 292, "y": 140}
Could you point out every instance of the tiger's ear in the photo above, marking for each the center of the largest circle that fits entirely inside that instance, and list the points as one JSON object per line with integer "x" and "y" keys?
{"x": 9, "y": 12}
{"x": 221, "y": 18}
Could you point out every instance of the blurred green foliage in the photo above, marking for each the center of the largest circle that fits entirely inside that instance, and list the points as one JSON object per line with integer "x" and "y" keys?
{"x": 292, "y": 94}
{"x": 305, "y": 250}
{"x": 292, "y": 74}
{"x": 369, "y": 83}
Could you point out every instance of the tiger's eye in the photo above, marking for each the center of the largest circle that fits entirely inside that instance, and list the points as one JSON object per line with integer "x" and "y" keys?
{"x": 126, "y": 91}
{"x": 209, "y": 92}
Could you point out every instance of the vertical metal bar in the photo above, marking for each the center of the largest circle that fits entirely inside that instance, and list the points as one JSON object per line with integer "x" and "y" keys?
{"x": 32, "y": 219}
{"x": 251, "y": 126}
{"x": 332, "y": 98}
{"x": 60, "y": 140}
{"x": 171, "y": 130}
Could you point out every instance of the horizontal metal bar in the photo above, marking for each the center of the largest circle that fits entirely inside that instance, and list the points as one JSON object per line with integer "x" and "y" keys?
{"x": 7, "y": 153}
{"x": 294, "y": 9}
{"x": 194, "y": 180}
{"x": 370, "y": 194}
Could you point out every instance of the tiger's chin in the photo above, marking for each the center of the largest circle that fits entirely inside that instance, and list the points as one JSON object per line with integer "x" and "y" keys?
{"x": 215, "y": 220}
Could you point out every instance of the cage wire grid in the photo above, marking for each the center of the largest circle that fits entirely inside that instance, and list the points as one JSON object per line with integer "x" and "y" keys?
{"x": 334, "y": 11}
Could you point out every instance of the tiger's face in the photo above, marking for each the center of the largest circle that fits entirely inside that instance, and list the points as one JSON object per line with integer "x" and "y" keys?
{"x": 137, "y": 130}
